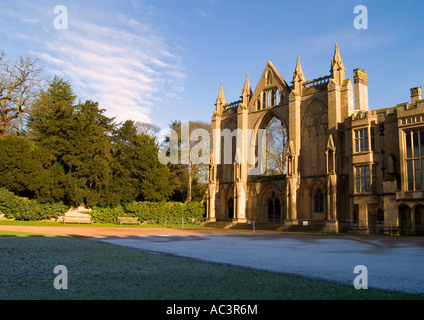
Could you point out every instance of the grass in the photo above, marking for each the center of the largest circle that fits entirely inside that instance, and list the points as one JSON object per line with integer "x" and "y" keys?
{"x": 100, "y": 271}
{"x": 112, "y": 225}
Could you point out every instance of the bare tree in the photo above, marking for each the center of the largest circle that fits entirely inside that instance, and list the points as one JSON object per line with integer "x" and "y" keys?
{"x": 148, "y": 129}
{"x": 190, "y": 173}
{"x": 20, "y": 83}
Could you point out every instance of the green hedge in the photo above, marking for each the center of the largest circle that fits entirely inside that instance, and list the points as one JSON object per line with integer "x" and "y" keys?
{"x": 165, "y": 213}
{"x": 18, "y": 208}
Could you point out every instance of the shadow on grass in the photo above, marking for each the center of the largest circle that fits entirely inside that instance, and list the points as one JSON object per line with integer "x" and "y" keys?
{"x": 102, "y": 271}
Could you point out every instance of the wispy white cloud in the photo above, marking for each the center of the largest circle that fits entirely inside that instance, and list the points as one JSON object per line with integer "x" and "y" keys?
{"x": 125, "y": 70}
{"x": 126, "y": 66}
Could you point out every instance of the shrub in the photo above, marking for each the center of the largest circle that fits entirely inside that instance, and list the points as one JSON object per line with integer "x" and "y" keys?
{"x": 18, "y": 208}
{"x": 107, "y": 214}
{"x": 164, "y": 213}
{"x": 10, "y": 204}
{"x": 50, "y": 210}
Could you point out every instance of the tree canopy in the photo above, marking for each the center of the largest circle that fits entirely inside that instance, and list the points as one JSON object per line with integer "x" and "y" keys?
{"x": 190, "y": 179}
{"x": 55, "y": 148}
{"x": 73, "y": 153}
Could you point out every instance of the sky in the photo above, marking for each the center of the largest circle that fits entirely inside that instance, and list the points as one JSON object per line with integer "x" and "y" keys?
{"x": 158, "y": 61}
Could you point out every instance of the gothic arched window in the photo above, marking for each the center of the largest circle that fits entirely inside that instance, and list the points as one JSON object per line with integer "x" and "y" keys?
{"x": 277, "y": 97}
{"x": 276, "y": 147}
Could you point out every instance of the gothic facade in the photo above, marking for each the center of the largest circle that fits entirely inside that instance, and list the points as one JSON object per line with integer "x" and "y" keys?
{"x": 345, "y": 167}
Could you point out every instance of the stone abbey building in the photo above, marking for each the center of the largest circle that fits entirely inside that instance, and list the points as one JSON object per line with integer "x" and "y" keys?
{"x": 345, "y": 167}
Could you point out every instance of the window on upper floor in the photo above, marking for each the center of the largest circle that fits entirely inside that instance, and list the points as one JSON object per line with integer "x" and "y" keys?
{"x": 361, "y": 140}
{"x": 364, "y": 140}
{"x": 414, "y": 159}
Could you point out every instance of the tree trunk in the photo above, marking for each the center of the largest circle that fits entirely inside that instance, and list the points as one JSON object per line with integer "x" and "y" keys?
{"x": 190, "y": 179}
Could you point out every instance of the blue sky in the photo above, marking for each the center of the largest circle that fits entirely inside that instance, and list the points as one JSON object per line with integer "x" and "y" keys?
{"x": 164, "y": 60}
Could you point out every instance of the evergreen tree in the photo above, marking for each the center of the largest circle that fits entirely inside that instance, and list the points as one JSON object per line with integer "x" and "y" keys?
{"x": 155, "y": 178}
{"x": 76, "y": 139}
{"x": 137, "y": 172}
{"x": 50, "y": 126}
{"x": 50, "y": 120}
{"x": 90, "y": 160}
{"x": 86, "y": 163}
{"x": 21, "y": 168}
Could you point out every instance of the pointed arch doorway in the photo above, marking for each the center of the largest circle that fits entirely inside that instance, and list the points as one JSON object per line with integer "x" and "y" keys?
{"x": 274, "y": 208}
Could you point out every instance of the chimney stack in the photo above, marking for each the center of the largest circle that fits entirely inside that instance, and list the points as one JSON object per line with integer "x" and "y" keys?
{"x": 416, "y": 94}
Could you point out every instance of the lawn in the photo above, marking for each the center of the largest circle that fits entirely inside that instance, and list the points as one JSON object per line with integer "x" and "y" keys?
{"x": 54, "y": 223}
{"x": 103, "y": 271}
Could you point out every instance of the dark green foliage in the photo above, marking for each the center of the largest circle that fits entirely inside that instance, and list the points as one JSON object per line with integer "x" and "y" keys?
{"x": 76, "y": 155}
{"x": 14, "y": 207}
{"x": 49, "y": 121}
{"x": 107, "y": 214}
{"x": 137, "y": 172}
{"x": 19, "y": 208}
{"x": 91, "y": 160}
{"x": 21, "y": 168}
{"x": 76, "y": 139}
{"x": 10, "y": 204}
{"x": 86, "y": 162}
{"x": 165, "y": 213}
